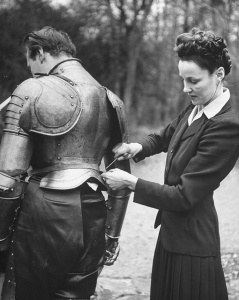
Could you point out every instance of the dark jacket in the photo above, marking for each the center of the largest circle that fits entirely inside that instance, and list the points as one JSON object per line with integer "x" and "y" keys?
{"x": 199, "y": 157}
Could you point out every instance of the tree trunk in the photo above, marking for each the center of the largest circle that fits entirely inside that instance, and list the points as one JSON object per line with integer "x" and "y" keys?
{"x": 133, "y": 55}
{"x": 135, "y": 38}
{"x": 186, "y": 15}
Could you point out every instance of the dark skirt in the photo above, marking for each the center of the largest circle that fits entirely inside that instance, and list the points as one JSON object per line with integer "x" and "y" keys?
{"x": 185, "y": 277}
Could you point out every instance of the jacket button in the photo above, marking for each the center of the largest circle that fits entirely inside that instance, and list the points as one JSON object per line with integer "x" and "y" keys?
{"x": 171, "y": 151}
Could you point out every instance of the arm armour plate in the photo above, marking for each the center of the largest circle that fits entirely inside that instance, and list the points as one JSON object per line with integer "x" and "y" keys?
{"x": 117, "y": 200}
{"x": 15, "y": 155}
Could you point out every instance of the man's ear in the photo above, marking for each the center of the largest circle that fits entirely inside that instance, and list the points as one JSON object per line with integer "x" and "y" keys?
{"x": 41, "y": 54}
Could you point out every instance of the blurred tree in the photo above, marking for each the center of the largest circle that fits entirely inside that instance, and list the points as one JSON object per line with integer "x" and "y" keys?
{"x": 118, "y": 27}
{"x": 126, "y": 44}
{"x": 128, "y": 18}
{"x": 159, "y": 90}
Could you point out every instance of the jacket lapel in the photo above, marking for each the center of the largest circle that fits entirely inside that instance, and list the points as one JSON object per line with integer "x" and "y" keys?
{"x": 194, "y": 127}
{"x": 176, "y": 140}
{"x": 182, "y": 127}
{"x": 197, "y": 124}
{"x": 184, "y": 131}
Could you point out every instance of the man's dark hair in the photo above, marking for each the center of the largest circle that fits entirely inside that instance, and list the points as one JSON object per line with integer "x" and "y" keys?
{"x": 50, "y": 40}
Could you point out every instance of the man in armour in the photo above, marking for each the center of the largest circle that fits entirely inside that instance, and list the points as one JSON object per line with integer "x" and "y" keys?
{"x": 59, "y": 125}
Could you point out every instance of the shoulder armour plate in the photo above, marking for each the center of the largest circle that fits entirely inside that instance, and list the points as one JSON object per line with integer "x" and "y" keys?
{"x": 53, "y": 106}
{"x": 118, "y": 105}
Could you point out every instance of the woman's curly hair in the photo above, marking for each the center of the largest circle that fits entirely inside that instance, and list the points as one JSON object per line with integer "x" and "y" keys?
{"x": 205, "y": 48}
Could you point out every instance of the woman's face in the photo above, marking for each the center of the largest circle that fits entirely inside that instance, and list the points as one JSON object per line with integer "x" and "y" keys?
{"x": 200, "y": 85}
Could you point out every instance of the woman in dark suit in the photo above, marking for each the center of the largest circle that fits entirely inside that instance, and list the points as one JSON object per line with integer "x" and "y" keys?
{"x": 203, "y": 146}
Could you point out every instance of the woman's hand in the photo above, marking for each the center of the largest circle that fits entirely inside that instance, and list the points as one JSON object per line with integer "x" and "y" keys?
{"x": 117, "y": 179}
{"x": 126, "y": 151}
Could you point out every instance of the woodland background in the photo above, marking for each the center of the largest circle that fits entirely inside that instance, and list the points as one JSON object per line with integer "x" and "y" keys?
{"x": 127, "y": 45}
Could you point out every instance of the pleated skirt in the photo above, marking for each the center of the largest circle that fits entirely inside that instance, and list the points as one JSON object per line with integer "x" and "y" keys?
{"x": 185, "y": 277}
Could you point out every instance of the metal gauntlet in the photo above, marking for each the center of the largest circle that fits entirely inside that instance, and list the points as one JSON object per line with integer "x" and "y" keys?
{"x": 117, "y": 200}
{"x": 116, "y": 205}
{"x": 11, "y": 191}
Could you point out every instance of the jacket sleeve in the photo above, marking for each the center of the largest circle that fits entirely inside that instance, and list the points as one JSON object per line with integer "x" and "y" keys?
{"x": 215, "y": 157}
{"x": 159, "y": 142}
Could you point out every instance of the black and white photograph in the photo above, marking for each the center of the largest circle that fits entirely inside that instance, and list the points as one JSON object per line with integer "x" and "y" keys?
{"x": 119, "y": 150}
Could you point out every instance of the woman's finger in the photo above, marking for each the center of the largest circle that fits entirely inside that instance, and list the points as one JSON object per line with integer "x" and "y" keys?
{"x": 117, "y": 147}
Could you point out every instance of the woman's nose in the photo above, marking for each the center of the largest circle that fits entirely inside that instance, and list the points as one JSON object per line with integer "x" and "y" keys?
{"x": 187, "y": 89}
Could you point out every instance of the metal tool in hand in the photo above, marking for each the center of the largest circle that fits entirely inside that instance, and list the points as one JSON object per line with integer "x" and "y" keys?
{"x": 115, "y": 161}
{"x": 111, "y": 163}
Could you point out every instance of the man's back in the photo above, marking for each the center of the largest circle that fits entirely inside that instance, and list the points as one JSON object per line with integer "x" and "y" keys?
{"x": 58, "y": 127}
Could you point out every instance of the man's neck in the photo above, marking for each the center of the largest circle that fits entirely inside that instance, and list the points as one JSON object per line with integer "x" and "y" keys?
{"x": 51, "y": 61}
